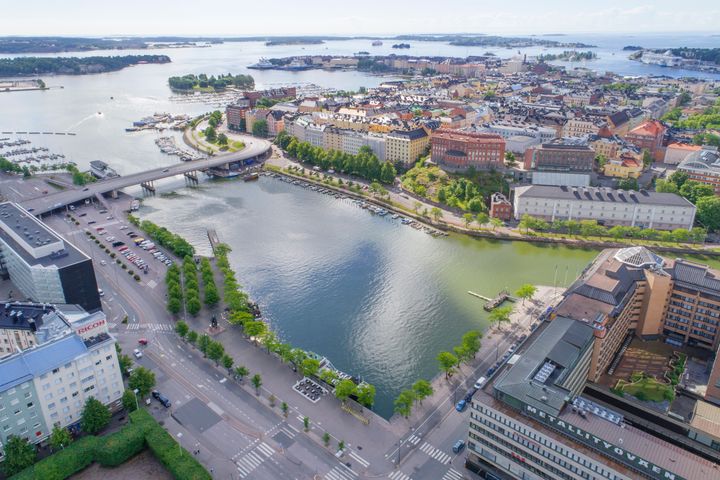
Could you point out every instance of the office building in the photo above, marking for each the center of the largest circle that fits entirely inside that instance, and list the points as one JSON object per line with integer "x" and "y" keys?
{"x": 648, "y": 136}
{"x": 41, "y": 264}
{"x": 703, "y": 166}
{"x": 660, "y": 211}
{"x": 457, "y": 151}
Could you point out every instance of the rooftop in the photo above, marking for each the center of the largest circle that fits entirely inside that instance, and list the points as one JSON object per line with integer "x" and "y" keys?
{"x": 603, "y": 194}
{"x": 537, "y": 376}
{"x": 33, "y": 241}
{"x": 468, "y": 136}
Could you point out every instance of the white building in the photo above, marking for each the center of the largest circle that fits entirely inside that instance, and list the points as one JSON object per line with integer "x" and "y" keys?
{"x": 660, "y": 211}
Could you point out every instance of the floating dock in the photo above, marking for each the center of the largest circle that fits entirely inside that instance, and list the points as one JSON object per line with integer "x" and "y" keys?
{"x": 493, "y": 303}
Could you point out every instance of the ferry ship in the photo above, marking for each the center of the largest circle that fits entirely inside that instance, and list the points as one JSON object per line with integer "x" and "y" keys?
{"x": 102, "y": 170}
{"x": 263, "y": 64}
{"x": 377, "y": 43}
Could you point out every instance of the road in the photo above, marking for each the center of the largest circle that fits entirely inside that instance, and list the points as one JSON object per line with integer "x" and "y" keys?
{"x": 52, "y": 201}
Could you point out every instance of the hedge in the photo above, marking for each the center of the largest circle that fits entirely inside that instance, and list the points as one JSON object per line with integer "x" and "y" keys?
{"x": 117, "y": 448}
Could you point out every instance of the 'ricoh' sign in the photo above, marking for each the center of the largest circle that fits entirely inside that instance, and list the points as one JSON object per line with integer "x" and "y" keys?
{"x": 613, "y": 451}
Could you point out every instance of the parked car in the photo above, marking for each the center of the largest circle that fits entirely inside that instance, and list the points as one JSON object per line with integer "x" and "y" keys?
{"x": 91, "y": 222}
{"x": 480, "y": 382}
{"x": 458, "y": 447}
{"x": 460, "y": 406}
{"x": 100, "y": 292}
{"x": 161, "y": 398}
{"x": 469, "y": 394}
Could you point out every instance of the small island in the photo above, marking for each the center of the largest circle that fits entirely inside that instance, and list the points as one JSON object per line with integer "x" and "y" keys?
{"x": 631, "y": 48}
{"x": 212, "y": 83}
{"x": 27, "y": 66}
{"x": 297, "y": 41}
{"x": 401, "y": 45}
{"x": 568, "y": 56}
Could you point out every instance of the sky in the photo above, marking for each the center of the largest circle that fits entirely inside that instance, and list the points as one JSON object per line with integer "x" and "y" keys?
{"x": 338, "y": 17}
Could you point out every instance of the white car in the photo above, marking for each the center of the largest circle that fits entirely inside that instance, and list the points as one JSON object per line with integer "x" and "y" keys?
{"x": 480, "y": 382}
{"x": 137, "y": 353}
{"x": 123, "y": 227}
{"x": 103, "y": 262}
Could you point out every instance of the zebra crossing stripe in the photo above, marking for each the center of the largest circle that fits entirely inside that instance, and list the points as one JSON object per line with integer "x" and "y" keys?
{"x": 414, "y": 439}
{"x": 359, "y": 459}
{"x": 339, "y": 473}
{"x": 452, "y": 474}
{"x": 398, "y": 475}
{"x": 296, "y": 430}
{"x": 435, "y": 453}
{"x": 288, "y": 432}
{"x": 265, "y": 448}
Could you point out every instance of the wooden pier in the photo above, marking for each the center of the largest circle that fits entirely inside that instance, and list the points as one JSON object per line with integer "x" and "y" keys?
{"x": 493, "y": 303}
{"x": 213, "y": 238}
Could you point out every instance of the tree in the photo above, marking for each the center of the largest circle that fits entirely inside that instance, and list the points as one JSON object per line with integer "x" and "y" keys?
{"x": 19, "y": 454}
{"x": 678, "y": 177}
{"x": 482, "y": 218}
{"x": 436, "y": 213}
{"x": 501, "y": 315}
{"x": 601, "y": 161}
{"x": 192, "y": 337}
{"x": 257, "y": 383}
{"x": 181, "y": 328}
{"x": 260, "y": 128}
{"x": 404, "y": 402}
{"x": 344, "y": 389}
{"x": 210, "y": 134}
{"x": 270, "y": 341}
{"x": 95, "y": 416}
{"x": 125, "y": 362}
{"x": 326, "y": 439}
{"x": 628, "y": 184}
{"x": 448, "y": 362}
{"x": 495, "y": 222}
{"x": 310, "y": 367}
{"x": 510, "y": 159}
{"x": 526, "y": 291}
{"x": 129, "y": 401}
{"x": 255, "y": 328}
{"x": 222, "y": 139}
{"x": 365, "y": 394}
{"x": 60, "y": 437}
{"x": 215, "y": 351}
{"x": 306, "y": 423}
{"x": 241, "y": 371}
{"x": 422, "y": 389}
{"x": 468, "y": 219}
{"x": 204, "y": 343}
{"x": 227, "y": 362}
{"x": 665, "y": 186}
{"x": 284, "y": 407}
{"x": 471, "y": 342}
{"x": 142, "y": 380}
{"x": 647, "y": 158}
{"x": 211, "y": 295}
{"x": 708, "y": 212}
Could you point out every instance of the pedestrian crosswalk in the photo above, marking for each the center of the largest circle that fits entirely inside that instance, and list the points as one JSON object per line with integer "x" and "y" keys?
{"x": 435, "y": 453}
{"x": 253, "y": 459}
{"x": 359, "y": 459}
{"x": 398, "y": 475}
{"x": 341, "y": 472}
{"x": 289, "y": 430}
{"x": 452, "y": 474}
{"x": 413, "y": 440}
{"x": 153, "y": 327}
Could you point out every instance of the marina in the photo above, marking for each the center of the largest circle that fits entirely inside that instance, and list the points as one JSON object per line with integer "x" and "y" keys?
{"x": 169, "y": 146}
{"x": 160, "y": 122}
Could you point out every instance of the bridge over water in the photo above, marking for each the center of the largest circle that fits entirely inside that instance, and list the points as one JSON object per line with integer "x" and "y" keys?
{"x": 254, "y": 149}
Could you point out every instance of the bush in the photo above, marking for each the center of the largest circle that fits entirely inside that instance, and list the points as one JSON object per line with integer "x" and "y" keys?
{"x": 137, "y": 278}
{"x": 79, "y": 455}
{"x": 119, "y": 447}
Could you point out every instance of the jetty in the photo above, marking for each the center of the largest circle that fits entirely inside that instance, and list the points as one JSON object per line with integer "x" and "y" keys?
{"x": 493, "y": 303}
{"x": 213, "y": 238}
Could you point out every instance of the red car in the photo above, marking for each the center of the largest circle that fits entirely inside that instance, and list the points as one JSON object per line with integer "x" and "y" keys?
{"x": 143, "y": 341}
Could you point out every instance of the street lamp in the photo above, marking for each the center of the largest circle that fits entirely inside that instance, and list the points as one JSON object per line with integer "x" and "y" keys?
{"x": 179, "y": 436}
{"x": 135, "y": 392}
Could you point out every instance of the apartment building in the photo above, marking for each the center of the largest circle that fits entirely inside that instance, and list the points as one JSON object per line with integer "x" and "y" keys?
{"x": 703, "y": 166}
{"x": 406, "y": 146}
{"x": 534, "y": 421}
{"x": 49, "y": 383}
{"x": 24, "y": 325}
{"x": 660, "y": 211}
{"x": 648, "y": 136}
{"x": 579, "y": 127}
{"x": 560, "y": 157}
{"x": 41, "y": 264}
{"x": 500, "y": 207}
{"x": 235, "y": 115}
{"x": 626, "y": 166}
{"x": 457, "y": 151}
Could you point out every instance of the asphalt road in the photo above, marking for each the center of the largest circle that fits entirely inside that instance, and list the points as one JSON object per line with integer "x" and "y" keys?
{"x": 52, "y": 201}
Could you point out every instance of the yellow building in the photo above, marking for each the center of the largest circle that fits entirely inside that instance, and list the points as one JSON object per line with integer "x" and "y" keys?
{"x": 625, "y": 167}
{"x": 406, "y": 146}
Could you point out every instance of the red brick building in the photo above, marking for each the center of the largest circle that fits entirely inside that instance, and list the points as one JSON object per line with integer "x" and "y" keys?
{"x": 235, "y": 114}
{"x": 648, "y": 136}
{"x": 456, "y": 150}
{"x": 500, "y": 207}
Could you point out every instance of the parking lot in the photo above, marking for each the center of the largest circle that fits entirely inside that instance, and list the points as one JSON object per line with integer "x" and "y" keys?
{"x": 130, "y": 246}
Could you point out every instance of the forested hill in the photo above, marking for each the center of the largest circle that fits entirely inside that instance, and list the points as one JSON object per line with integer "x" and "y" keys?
{"x": 21, "y": 66}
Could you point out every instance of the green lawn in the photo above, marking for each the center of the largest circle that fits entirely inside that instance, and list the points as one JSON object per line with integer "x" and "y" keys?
{"x": 644, "y": 387}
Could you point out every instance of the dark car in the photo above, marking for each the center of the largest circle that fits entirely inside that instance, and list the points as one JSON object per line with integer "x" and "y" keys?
{"x": 469, "y": 394}
{"x": 161, "y": 398}
{"x": 91, "y": 222}
{"x": 82, "y": 214}
{"x": 118, "y": 244}
{"x": 458, "y": 447}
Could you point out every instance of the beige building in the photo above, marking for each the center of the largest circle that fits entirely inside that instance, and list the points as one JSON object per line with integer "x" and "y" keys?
{"x": 406, "y": 146}
{"x": 579, "y": 127}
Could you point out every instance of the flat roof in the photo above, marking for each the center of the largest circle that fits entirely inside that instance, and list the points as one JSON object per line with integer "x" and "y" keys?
{"x": 39, "y": 245}
{"x": 17, "y": 316}
{"x": 603, "y": 194}
{"x": 535, "y": 377}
